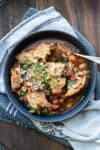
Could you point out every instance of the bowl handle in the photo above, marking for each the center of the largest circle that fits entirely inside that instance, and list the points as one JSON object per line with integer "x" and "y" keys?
{"x": 2, "y": 86}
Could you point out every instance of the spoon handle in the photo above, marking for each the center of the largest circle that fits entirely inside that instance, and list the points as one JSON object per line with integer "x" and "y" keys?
{"x": 91, "y": 58}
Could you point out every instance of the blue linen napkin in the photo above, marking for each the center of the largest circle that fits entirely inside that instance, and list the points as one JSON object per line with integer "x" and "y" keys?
{"x": 2, "y": 2}
{"x": 51, "y": 20}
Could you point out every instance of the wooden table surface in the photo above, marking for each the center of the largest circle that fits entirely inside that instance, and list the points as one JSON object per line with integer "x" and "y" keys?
{"x": 83, "y": 15}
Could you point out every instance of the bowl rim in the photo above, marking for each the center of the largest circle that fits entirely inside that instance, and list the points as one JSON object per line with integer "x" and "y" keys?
{"x": 79, "y": 106}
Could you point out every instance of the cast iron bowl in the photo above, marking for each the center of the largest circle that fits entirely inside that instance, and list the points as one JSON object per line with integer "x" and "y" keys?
{"x": 44, "y": 35}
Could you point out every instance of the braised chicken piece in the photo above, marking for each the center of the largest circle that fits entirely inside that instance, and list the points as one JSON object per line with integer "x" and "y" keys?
{"x": 80, "y": 82}
{"x": 25, "y": 55}
{"x": 36, "y": 99}
{"x": 15, "y": 78}
{"x": 55, "y": 69}
{"x": 61, "y": 49}
{"x": 41, "y": 52}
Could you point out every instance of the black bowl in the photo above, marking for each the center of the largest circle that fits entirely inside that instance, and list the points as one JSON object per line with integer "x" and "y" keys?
{"x": 44, "y": 35}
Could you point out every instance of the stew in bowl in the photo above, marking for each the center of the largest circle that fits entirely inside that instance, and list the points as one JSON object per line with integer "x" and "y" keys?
{"x": 48, "y": 78}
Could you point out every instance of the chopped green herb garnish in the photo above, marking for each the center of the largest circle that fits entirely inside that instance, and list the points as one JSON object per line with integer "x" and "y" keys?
{"x": 40, "y": 72}
{"x": 75, "y": 69}
{"x": 32, "y": 110}
{"x": 26, "y": 64}
{"x": 65, "y": 62}
{"x": 70, "y": 83}
{"x": 22, "y": 93}
{"x": 21, "y": 98}
{"x": 65, "y": 74}
{"x": 53, "y": 81}
{"x": 47, "y": 91}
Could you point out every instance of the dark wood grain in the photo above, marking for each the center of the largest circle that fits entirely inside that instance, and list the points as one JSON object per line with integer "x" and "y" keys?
{"x": 83, "y": 15}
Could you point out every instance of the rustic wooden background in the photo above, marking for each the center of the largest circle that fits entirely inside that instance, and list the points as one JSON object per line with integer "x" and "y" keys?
{"x": 84, "y": 15}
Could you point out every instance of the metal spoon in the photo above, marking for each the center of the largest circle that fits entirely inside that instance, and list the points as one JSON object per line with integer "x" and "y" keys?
{"x": 91, "y": 58}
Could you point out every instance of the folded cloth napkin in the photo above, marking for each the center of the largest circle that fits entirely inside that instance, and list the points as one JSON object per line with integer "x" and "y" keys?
{"x": 81, "y": 131}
